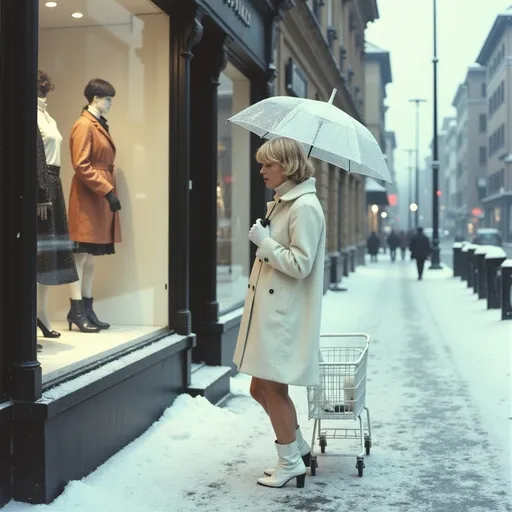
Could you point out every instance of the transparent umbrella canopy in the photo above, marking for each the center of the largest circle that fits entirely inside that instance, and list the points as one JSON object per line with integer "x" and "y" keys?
{"x": 325, "y": 131}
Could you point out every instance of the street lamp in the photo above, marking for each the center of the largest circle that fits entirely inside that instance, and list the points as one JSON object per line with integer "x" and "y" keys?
{"x": 375, "y": 208}
{"x": 410, "y": 151}
{"x": 436, "y": 252}
{"x": 417, "y": 180}
{"x": 413, "y": 207}
{"x": 384, "y": 215}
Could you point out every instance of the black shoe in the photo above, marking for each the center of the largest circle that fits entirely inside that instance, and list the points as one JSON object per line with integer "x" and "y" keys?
{"x": 78, "y": 317}
{"x": 39, "y": 347}
{"x": 47, "y": 333}
{"x": 91, "y": 315}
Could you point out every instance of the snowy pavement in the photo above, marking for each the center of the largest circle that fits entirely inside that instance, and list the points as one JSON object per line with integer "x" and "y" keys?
{"x": 439, "y": 391}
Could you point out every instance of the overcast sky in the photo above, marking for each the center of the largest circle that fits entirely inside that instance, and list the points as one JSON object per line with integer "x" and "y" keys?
{"x": 405, "y": 30}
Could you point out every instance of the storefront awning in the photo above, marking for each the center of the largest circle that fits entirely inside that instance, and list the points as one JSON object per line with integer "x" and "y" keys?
{"x": 376, "y": 193}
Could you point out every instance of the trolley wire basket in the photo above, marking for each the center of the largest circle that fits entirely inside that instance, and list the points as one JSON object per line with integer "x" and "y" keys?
{"x": 341, "y": 393}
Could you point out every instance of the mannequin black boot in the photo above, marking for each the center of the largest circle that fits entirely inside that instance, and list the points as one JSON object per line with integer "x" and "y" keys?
{"x": 78, "y": 317}
{"x": 91, "y": 315}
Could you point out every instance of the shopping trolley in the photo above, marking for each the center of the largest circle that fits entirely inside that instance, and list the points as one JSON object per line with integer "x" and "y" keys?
{"x": 341, "y": 394}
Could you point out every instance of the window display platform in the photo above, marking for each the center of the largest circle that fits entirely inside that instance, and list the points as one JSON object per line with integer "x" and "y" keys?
{"x": 75, "y": 349}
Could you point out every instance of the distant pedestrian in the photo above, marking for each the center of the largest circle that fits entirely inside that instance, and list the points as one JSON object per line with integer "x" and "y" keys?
{"x": 404, "y": 243}
{"x": 373, "y": 246}
{"x": 393, "y": 242}
{"x": 420, "y": 250}
{"x": 278, "y": 341}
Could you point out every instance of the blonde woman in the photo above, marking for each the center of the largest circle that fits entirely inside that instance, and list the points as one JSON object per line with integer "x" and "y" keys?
{"x": 279, "y": 335}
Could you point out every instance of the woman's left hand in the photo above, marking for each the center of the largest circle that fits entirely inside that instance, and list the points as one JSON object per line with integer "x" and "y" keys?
{"x": 258, "y": 233}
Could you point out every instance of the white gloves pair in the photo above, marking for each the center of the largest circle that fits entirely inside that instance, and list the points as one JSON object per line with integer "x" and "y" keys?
{"x": 258, "y": 233}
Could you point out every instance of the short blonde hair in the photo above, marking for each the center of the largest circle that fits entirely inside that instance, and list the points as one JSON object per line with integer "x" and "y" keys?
{"x": 289, "y": 154}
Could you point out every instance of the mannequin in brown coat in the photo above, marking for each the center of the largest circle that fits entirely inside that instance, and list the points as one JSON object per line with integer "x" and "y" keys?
{"x": 94, "y": 223}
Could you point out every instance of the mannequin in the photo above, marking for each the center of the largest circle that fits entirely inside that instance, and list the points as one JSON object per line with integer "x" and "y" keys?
{"x": 55, "y": 263}
{"x": 94, "y": 223}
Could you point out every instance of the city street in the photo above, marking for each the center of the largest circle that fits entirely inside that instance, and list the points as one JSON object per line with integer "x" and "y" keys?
{"x": 439, "y": 395}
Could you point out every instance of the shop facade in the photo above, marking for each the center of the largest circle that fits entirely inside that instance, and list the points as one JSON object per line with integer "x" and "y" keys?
{"x": 188, "y": 188}
{"x": 321, "y": 47}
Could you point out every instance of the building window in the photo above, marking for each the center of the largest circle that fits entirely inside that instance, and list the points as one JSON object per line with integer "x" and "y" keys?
{"x": 483, "y": 155}
{"x": 129, "y": 287}
{"x": 233, "y": 192}
{"x": 483, "y": 123}
{"x": 484, "y": 90}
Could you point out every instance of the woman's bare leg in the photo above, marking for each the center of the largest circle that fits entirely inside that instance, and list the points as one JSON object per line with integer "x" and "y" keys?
{"x": 257, "y": 394}
{"x": 280, "y": 410}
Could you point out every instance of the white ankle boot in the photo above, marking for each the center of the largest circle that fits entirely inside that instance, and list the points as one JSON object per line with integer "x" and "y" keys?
{"x": 290, "y": 466}
{"x": 304, "y": 449}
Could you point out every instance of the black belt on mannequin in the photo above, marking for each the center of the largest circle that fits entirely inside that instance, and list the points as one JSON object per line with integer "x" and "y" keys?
{"x": 53, "y": 169}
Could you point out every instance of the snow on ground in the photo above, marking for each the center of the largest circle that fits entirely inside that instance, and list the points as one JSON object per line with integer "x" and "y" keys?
{"x": 439, "y": 394}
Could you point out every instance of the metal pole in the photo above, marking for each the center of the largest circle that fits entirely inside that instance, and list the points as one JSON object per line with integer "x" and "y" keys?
{"x": 436, "y": 256}
{"x": 417, "y": 174}
{"x": 409, "y": 212}
{"x": 417, "y": 177}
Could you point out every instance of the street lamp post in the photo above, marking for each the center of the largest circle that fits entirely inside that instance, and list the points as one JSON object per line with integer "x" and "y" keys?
{"x": 436, "y": 252}
{"x": 417, "y": 178}
{"x": 410, "y": 151}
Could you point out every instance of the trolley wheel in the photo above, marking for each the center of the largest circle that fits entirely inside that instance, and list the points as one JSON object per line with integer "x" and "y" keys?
{"x": 323, "y": 444}
{"x": 367, "y": 445}
{"x": 360, "y": 466}
{"x": 314, "y": 465}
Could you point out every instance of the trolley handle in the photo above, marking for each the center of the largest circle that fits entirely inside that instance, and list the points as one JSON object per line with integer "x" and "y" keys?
{"x": 363, "y": 335}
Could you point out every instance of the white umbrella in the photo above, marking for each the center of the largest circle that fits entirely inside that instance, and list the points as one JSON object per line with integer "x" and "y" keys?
{"x": 326, "y": 132}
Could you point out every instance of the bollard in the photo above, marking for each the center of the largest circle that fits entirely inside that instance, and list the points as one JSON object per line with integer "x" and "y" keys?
{"x": 457, "y": 248}
{"x": 352, "y": 250}
{"x": 471, "y": 269}
{"x": 464, "y": 262}
{"x": 336, "y": 268}
{"x": 478, "y": 267}
{"x": 482, "y": 280}
{"x": 493, "y": 260}
{"x": 362, "y": 253}
{"x": 506, "y": 290}
{"x": 345, "y": 255}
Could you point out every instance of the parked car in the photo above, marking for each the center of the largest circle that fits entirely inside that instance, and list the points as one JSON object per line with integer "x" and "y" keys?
{"x": 487, "y": 236}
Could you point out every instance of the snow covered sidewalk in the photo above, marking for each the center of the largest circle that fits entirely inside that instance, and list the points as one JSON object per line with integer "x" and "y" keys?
{"x": 440, "y": 398}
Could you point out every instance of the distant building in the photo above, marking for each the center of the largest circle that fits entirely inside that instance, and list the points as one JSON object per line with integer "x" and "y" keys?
{"x": 448, "y": 173}
{"x": 495, "y": 56}
{"x": 377, "y": 66}
{"x": 471, "y": 105}
{"x": 377, "y": 76}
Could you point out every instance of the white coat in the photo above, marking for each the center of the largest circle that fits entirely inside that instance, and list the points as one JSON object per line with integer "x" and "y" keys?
{"x": 280, "y": 329}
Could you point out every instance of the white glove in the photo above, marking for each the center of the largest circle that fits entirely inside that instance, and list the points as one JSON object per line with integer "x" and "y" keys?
{"x": 258, "y": 233}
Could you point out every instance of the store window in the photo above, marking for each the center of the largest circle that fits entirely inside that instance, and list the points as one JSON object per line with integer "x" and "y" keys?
{"x": 103, "y": 118}
{"x": 233, "y": 192}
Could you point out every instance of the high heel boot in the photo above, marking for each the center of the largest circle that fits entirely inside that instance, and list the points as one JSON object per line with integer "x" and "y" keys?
{"x": 78, "y": 317}
{"x": 290, "y": 466}
{"x": 304, "y": 449}
{"x": 91, "y": 315}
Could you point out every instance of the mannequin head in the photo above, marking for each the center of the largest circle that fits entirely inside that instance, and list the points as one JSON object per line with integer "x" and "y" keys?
{"x": 99, "y": 94}
{"x": 44, "y": 84}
